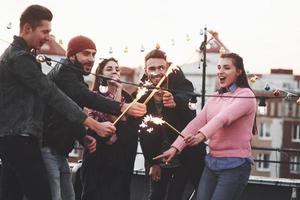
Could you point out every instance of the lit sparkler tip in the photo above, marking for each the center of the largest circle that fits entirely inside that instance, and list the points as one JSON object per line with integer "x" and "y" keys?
{"x": 143, "y": 125}
{"x": 149, "y": 130}
{"x": 141, "y": 92}
{"x": 147, "y": 118}
{"x": 147, "y": 83}
{"x": 155, "y": 120}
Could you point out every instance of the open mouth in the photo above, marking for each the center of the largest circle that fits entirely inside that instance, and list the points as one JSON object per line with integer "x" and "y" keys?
{"x": 222, "y": 78}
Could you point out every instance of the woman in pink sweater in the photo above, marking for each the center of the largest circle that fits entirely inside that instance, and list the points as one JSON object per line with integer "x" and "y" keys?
{"x": 228, "y": 123}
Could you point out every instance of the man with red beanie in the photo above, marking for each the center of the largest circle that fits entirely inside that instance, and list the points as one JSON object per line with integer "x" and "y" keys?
{"x": 78, "y": 44}
{"x": 60, "y": 134}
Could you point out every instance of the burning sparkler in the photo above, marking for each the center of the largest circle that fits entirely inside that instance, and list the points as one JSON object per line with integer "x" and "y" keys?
{"x": 140, "y": 93}
{"x": 170, "y": 70}
{"x": 157, "y": 121}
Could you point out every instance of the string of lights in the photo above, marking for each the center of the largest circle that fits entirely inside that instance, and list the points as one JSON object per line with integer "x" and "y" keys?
{"x": 193, "y": 95}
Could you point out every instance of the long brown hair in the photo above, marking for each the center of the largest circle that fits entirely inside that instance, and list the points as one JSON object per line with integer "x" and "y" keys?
{"x": 242, "y": 80}
{"x": 99, "y": 71}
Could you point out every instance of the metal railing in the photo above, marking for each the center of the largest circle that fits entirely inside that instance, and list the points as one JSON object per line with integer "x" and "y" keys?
{"x": 285, "y": 150}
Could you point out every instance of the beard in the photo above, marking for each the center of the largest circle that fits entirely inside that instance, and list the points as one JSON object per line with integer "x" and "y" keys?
{"x": 81, "y": 66}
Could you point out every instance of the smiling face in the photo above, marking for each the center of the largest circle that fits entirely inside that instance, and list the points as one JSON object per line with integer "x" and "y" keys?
{"x": 86, "y": 58}
{"x": 112, "y": 70}
{"x": 36, "y": 37}
{"x": 155, "y": 69}
{"x": 227, "y": 73}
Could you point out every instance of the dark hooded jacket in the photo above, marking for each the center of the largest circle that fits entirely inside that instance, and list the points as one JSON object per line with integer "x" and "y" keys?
{"x": 154, "y": 143}
{"x": 60, "y": 133}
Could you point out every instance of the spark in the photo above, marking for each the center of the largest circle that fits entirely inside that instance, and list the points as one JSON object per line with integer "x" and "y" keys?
{"x": 157, "y": 121}
{"x": 140, "y": 93}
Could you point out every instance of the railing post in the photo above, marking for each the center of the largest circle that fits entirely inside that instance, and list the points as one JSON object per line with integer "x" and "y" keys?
{"x": 294, "y": 193}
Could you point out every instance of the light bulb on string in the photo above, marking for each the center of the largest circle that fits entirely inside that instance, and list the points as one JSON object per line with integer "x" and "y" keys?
{"x": 193, "y": 103}
{"x": 298, "y": 101}
{"x": 289, "y": 96}
{"x": 267, "y": 87}
{"x": 262, "y": 107}
{"x": 42, "y": 58}
{"x": 172, "y": 42}
{"x": 187, "y": 37}
{"x": 201, "y": 31}
{"x": 9, "y": 25}
{"x": 103, "y": 87}
{"x": 60, "y": 41}
{"x": 222, "y": 50}
{"x": 276, "y": 92}
{"x": 126, "y": 49}
{"x": 253, "y": 79}
{"x": 110, "y": 50}
{"x": 157, "y": 46}
{"x": 142, "y": 49}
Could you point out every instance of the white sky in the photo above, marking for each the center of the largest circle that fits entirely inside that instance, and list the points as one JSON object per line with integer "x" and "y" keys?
{"x": 266, "y": 33}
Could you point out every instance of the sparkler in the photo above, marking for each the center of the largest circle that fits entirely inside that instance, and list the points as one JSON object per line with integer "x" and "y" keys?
{"x": 170, "y": 70}
{"x": 157, "y": 121}
{"x": 140, "y": 93}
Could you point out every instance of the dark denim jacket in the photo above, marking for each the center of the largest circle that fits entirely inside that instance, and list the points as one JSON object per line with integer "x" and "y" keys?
{"x": 25, "y": 91}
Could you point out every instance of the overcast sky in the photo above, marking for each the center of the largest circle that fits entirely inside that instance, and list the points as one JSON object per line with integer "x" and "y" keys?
{"x": 266, "y": 33}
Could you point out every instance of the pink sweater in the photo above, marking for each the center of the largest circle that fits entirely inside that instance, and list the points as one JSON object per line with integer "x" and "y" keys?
{"x": 227, "y": 124}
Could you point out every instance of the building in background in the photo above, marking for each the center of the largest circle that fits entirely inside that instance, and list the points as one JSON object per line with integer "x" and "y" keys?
{"x": 53, "y": 50}
{"x": 279, "y": 126}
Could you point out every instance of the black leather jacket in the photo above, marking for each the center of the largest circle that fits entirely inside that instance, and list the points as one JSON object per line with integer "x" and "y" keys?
{"x": 60, "y": 134}
{"x": 25, "y": 91}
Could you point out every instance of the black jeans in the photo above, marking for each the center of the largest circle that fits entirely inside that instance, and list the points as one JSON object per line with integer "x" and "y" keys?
{"x": 171, "y": 185}
{"x": 23, "y": 169}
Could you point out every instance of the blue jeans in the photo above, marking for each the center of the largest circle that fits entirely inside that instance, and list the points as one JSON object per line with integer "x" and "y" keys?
{"x": 224, "y": 184}
{"x": 59, "y": 175}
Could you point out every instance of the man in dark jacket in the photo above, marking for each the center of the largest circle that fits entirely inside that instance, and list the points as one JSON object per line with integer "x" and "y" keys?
{"x": 168, "y": 181}
{"x": 60, "y": 134}
{"x": 24, "y": 93}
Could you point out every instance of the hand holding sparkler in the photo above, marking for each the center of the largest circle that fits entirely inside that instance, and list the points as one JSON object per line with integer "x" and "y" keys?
{"x": 192, "y": 140}
{"x": 168, "y": 100}
{"x": 140, "y": 93}
{"x": 157, "y": 121}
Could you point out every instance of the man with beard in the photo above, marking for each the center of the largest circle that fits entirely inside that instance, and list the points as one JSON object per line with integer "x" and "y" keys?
{"x": 168, "y": 181}
{"x": 60, "y": 134}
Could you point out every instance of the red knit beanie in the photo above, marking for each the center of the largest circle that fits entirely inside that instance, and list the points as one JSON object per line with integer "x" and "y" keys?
{"x": 78, "y": 44}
